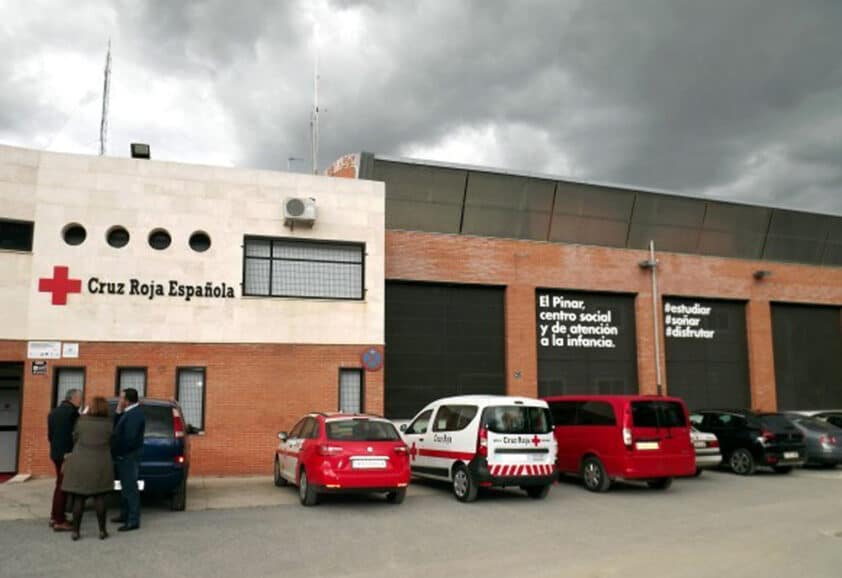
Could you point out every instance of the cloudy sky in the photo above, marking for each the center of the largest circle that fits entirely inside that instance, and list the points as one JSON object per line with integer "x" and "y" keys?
{"x": 739, "y": 99}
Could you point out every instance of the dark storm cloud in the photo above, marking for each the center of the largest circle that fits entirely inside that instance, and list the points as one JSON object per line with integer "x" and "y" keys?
{"x": 734, "y": 99}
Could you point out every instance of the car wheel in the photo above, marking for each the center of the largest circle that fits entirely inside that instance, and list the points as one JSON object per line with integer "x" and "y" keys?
{"x": 464, "y": 487}
{"x": 697, "y": 473}
{"x": 306, "y": 493}
{"x": 178, "y": 501}
{"x": 537, "y": 492}
{"x": 742, "y": 462}
{"x": 396, "y": 497}
{"x": 783, "y": 469}
{"x": 280, "y": 481}
{"x": 595, "y": 476}
{"x": 660, "y": 483}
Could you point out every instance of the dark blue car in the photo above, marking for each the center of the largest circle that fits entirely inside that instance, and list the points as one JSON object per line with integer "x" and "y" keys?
{"x": 165, "y": 464}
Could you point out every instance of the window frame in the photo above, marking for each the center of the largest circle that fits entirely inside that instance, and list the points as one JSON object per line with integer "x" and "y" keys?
{"x": 302, "y": 241}
{"x": 57, "y": 370}
{"x": 120, "y": 369}
{"x": 31, "y": 234}
{"x": 204, "y": 371}
{"x": 339, "y": 387}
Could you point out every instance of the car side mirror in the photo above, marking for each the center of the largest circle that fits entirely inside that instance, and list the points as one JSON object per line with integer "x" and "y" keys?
{"x": 403, "y": 427}
{"x": 282, "y": 435}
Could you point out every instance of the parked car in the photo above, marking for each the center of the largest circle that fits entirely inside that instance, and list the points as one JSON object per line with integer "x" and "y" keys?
{"x": 165, "y": 463}
{"x": 750, "y": 439}
{"x": 336, "y": 453}
{"x": 606, "y": 438}
{"x": 833, "y": 416}
{"x": 823, "y": 439}
{"x": 706, "y": 445}
{"x": 475, "y": 441}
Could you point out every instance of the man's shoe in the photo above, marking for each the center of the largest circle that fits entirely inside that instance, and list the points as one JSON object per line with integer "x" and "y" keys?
{"x": 62, "y": 527}
{"x": 118, "y": 520}
{"x": 127, "y": 528}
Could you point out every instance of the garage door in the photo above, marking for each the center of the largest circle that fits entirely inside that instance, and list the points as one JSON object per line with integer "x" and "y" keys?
{"x": 442, "y": 340}
{"x": 808, "y": 356}
{"x": 586, "y": 342}
{"x": 707, "y": 352}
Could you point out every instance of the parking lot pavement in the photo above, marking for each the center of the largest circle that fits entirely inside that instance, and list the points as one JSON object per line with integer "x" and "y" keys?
{"x": 719, "y": 524}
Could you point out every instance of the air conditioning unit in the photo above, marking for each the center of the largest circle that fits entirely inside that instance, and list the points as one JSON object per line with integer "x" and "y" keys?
{"x": 299, "y": 211}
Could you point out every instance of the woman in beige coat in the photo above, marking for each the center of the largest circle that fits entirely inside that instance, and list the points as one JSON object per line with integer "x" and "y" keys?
{"x": 88, "y": 470}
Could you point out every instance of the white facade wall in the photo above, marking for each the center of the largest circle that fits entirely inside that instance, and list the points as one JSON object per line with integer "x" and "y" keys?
{"x": 54, "y": 190}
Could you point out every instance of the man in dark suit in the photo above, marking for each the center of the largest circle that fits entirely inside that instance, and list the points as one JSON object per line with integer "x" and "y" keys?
{"x": 127, "y": 447}
{"x": 60, "y": 424}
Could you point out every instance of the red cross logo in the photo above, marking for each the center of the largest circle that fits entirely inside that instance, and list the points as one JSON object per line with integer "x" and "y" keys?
{"x": 60, "y": 285}
{"x": 413, "y": 452}
{"x": 536, "y": 440}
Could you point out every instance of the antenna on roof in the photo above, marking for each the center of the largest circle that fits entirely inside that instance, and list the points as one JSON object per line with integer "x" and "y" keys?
{"x": 314, "y": 118}
{"x": 103, "y": 123}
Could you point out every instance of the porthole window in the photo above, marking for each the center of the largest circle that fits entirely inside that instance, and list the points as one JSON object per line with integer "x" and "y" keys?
{"x": 159, "y": 239}
{"x": 74, "y": 234}
{"x": 200, "y": 242}
{"x": 117, "y": 237}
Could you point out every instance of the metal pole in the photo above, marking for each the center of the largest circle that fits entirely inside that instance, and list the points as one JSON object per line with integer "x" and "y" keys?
{"x": 656, "y": 317}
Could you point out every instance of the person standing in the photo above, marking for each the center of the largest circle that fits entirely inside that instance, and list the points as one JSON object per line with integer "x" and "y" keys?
{"x": 127, "y": 447}
{"x": 88, "y": 470}
{"x": 60, "y": 424}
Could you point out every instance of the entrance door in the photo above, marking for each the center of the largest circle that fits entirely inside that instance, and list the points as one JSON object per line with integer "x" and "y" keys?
{"x": 11, "y": 384}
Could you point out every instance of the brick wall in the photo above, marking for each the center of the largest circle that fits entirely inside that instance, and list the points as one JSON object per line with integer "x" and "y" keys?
{"x": 522, "y": 266}
{"x": 252, "y": 392}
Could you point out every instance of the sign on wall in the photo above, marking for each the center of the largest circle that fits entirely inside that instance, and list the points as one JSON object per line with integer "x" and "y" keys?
{"x": 43, "y": 350}
{"x": 706, "y": 352}
{"x": 586, "y": 342}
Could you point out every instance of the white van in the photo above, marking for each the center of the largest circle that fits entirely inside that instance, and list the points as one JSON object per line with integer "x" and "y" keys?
{"x": 478, "y": 441}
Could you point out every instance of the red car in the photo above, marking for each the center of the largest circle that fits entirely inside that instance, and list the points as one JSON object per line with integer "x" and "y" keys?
{"x": 334, "y": 453}
{"x": 604, "y": 438}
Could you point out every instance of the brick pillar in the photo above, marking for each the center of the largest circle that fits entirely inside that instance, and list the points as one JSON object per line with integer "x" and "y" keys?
{"x": 646, "y": 377}
{"x": 521, "y": 341}
{"x": 761, "y": 359}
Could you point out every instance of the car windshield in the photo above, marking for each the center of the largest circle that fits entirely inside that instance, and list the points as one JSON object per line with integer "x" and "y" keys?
{"x": 814, "y": 424}
{"x": 361, "y": 430}
{"x": 658, "y": 414}
{"x": 159, "y": 419}
{"x": 774, "y": 421}
{"x": 517, "y": 419}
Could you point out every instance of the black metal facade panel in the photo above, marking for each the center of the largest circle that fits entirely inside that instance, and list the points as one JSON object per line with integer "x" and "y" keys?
{"x": 807, "y": 343}
{"x": 507, "y": 206}
{"x": 442, "y": 340}
{"x": 707, "y": 352}
{"x": 481, "y": 202}
{"x": 586, "y": 342}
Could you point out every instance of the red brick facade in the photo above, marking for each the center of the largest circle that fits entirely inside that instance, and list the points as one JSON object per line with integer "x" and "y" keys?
{"x": 523, "y": 266}
{"x": 252, "y": 392}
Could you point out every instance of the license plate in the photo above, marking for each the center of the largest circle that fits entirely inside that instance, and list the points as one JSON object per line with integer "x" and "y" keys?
{"x": 368, "y": 464}
{"x": 118, "y": 486}
{"x": 647, "y": 445}
{"x": 700, "y": 444}
{"x": 790, "y": 455}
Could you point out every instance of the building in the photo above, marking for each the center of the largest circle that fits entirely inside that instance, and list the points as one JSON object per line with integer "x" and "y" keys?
{"x": 185, "y": 281}
{"x": 532, "y": 285}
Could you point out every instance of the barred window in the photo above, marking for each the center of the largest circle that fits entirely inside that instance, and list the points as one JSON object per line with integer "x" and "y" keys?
{"x": 68, "y": 378}
{"x": 191, "y": 395}
{"x": 350, "y": 390}
{"x": 303, "y": 268}
{"x": 132, "y": 377}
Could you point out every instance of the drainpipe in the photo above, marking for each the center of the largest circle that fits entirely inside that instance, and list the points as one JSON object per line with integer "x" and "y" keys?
{"x": 652, "y": 265}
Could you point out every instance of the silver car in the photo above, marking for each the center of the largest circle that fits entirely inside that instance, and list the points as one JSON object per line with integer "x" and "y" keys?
{"x": 823, "y": 439}
{"x": 708, "y": 454}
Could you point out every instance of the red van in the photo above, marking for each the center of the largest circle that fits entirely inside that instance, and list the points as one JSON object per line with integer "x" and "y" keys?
{"x": 606, "y": 438}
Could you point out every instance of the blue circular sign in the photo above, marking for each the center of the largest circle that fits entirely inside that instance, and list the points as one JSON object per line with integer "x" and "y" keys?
{"x": 372, "y": 359}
